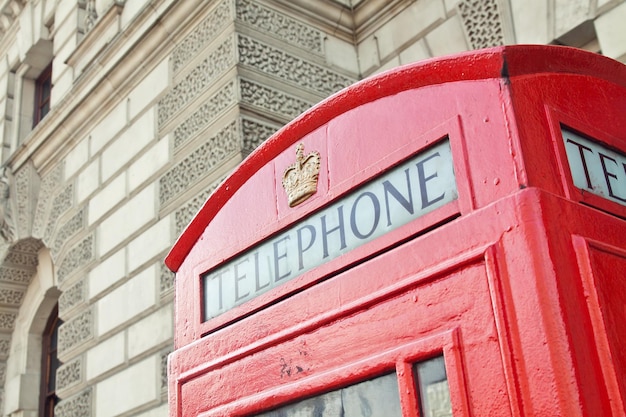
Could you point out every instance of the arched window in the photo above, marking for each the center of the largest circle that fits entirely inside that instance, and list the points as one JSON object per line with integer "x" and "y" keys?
{"x": 49, "y": 365}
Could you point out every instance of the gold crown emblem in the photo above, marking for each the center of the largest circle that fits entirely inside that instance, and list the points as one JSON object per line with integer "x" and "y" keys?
{"x": 300, "y": 178}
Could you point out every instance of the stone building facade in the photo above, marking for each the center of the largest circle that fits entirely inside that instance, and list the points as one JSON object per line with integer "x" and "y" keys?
{"x": 153, "y": 102}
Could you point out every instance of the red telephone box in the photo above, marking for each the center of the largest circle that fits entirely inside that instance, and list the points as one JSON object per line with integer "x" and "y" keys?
{"x": 444, "y": 239}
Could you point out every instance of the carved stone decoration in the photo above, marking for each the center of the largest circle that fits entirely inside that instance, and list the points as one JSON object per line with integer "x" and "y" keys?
{"x": 72, "y": 297}
{"x": 62, "y": 202}
{"x": 5, "y": 346}
{"x": 10, "y": 296}
{"x": 166, "y": 279}
{"x": 197, "y": 81}
{"x": 80, "y": 405}
{"x": 91, "y": 15}
{"x": 482, "y": 22}
{"x": 194, "y": 167}
{"x": 77, "y": 257}
{"x": 205, "y": 115}
{"x": 7, "y": 320}
{"x": 7, "y": 224}
{"x": 185, "y": 213}
{"x": 76, "y": 331}
{"x": 279, "y": 25}
{"x": 164, "y": 355}
{"x": 24, "y": 254}
{"x": 69, "y": 374}
{"x": 69, "y": 229}
{"x": 272, "y": 100}
{"x": 254, "y": 133}
{"x": 3, "y": 372}
{"x": 17, "y": 275}
{"x": 26, "y": 191}
{"x": 48, "y": 184}
{"x": 278, "y": 63}
{"x": 202, "y": 35}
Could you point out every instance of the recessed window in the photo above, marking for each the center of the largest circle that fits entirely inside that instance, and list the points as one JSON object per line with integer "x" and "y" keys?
{"x": 376, "y": 397}
{"x": 434, "y": 392}
{"x": 43, "y": 88}
{"x": 49, "y": 365}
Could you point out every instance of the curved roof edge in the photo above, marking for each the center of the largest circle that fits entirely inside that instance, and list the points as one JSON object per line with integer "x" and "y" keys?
{"x": 500, "y": 62}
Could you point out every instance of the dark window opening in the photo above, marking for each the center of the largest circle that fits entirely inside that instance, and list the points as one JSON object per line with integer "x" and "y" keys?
{"x": 49, "y": 365}
{"x": 43, "y": 88}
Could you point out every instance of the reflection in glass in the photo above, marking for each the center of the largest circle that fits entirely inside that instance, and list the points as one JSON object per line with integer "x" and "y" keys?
{"x": 378, "y": 397}
{"x": 432, "y": 383}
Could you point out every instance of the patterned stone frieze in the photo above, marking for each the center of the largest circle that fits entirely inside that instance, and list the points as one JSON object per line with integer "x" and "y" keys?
{"x": 188, "y": 211}
{"x": 199, "y": 163}
{"x": 77, "y": 257}
{"x": 272, "y": 100}
{"x": 11, "y": 296}
{"x": 205, "y": 115}
{"x": 202, "y": 35}
{"x": 7, "y": 320}
{"x": 22, "y": 259}
{"x": 75, "y": 331}
{"x": 5, "y": 346}
{"x": 69, "y": 229}
{"x": 254, "y": 133}
{"x": 27, "y": 188}
{"x": 46, "y": 191}
{"x": 299, "y": 72}
{"x": 80, "y": 405}
{"x": 164, "y": 355}
{"x": 28, "y": 245}
{"x": 197, "y": 81}
{"x": 279, "y": 25}
{"x": 69, "y": 374}
{"x": 3, "y": 372}
{"x": 62, "y": 202}
{"x": 71, "y": 297}
{"x": 17, "y": 275}
{"x": 482, "y": 22}
{"x": 166, "y": 279}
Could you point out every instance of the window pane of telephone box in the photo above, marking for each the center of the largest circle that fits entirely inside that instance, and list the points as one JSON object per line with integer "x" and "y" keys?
{"x": 432, "y": 384}
{"x": 376, "y": 397}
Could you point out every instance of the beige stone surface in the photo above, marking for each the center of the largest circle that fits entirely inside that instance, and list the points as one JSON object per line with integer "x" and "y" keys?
{"x": 107, "y": 273}
{"x": 107, "y": 197}
{"x": 151, "y": 332}
{"x": 106, "y": 355}
{"x": 76, "y": 158}
{"x": 127, "y": 146}
{"x": 155, "y": 83}
{"x": 447, "y": 38}
{"x": 153, "y": 242}
{"x": 149, "y": 163}
{"x": 133, "y": 297}
{"x": 415, "y": 52}
{"x": 414, "y": 21}
{"x": 532, "y": 21}
{"x": 610, "y": 28}
{"x": 127, "y": 219}
{"x": 88, "y": 180}
{"x": 131, "y": 388}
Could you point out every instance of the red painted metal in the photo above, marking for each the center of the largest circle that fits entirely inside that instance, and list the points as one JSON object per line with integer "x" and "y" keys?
{"x": 518, "y": 282}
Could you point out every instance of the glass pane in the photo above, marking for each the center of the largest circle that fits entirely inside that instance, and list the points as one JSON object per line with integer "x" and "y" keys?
{"x": 433, "y": 387}
{"x": 378, "y": 397}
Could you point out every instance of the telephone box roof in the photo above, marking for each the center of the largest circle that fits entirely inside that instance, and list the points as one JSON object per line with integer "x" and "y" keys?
{"x": 505, "y": 62}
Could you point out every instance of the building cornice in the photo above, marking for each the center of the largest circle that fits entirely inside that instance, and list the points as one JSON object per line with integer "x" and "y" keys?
{"x": 117, "y": 69}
